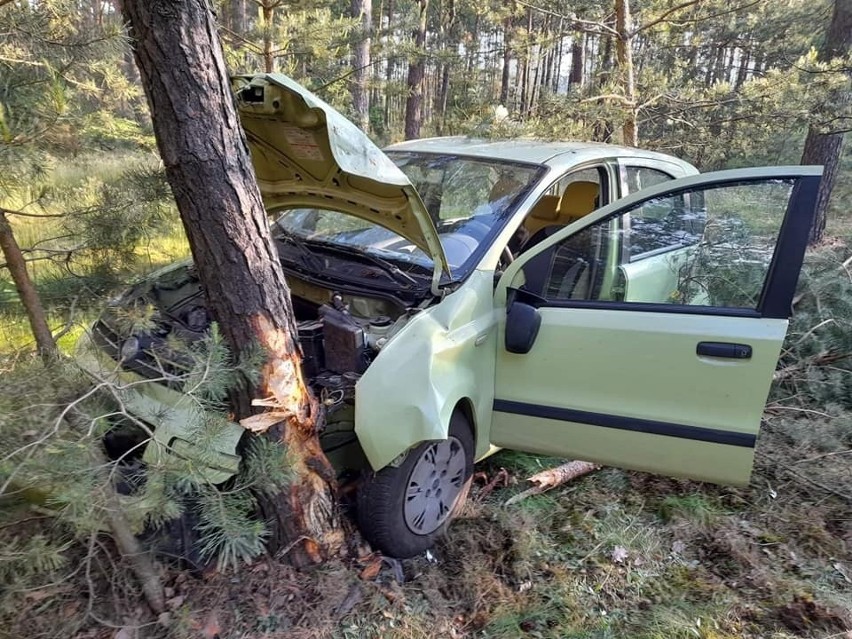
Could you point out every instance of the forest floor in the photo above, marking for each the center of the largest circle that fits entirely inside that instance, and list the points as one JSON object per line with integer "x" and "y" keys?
{"x": 613, "y": 554}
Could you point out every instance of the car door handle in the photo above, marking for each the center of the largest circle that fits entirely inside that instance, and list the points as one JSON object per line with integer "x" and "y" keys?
{"x": 723, "y": 349}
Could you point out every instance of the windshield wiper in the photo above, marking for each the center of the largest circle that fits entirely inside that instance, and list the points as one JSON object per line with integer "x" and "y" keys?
{"x": 311, "y": 259}
{"x": 389, "y": 267}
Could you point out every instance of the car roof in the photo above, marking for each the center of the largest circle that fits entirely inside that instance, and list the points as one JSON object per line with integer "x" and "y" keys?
{"x": 556, "y": 154}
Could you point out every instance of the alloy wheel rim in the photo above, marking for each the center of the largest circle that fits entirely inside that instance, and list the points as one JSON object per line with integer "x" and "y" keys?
{"x": 434, "y": 486}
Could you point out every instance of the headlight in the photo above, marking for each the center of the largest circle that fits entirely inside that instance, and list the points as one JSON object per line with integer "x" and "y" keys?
{"x": 129, "y": 349}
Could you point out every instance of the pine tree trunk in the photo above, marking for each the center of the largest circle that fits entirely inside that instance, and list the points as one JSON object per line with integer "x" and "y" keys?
{"x": 575, "y": 78}
{"x": 558, "y": 63}
{"x": 525, "y": 74}
{"x": 416, "y": 71}
{"x": 603, "y": 129}
{"x": 624, "y": 55}
{"x": 507, "y": 62}
{"x": 362, "y": 10}
{"x": 237, "y": 16}
{"x": 17, "y": 266}
{"x": 742, "y": 72}
{"x": 391, "y": 65}
{"x": 208, "y": 167}
{"x": 825, "y": 147}
{"x": 267, "y": 11}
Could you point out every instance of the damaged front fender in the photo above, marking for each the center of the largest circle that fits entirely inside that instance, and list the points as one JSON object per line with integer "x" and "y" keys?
{"x": 444, "y": 356}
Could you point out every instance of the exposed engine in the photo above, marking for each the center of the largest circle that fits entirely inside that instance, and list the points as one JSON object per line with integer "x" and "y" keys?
{"x": 337, "y": 347}
{"x": 339, "y": 336}
{"x": 157, "y": 329}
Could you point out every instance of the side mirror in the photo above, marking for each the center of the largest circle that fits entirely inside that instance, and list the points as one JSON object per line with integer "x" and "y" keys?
{"x": 522, "y": 324}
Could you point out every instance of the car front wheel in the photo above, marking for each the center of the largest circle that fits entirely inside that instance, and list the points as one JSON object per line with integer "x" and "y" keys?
{"x": 402, "y": 510}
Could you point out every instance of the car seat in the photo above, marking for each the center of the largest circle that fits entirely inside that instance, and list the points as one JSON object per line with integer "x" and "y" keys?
{"x": 565, "y": 272}
{"x": 579, "y": 199}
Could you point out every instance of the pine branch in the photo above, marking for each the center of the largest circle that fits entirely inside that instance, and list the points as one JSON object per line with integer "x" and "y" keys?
{"x": 662, "y": 17}
{"x": 20, "y": 213}
{"x": 129, "y": 546}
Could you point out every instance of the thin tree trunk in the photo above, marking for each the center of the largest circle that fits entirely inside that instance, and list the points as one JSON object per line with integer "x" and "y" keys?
{"x": 205, "y": 154}
{"x": 416, "y": 71}
{"x": 507, "y": 62}
{"x": 17, "y": 265}
{"x": 624, "y": 55}
{"x": 525, "y": 75}
{"x": 391, "y": 64}
{"x": 825, "y": 147}
{"x": 362, "y": 10}
{"x": 575, "y": 78}
{"x": 267, "y": 10}
{"x": 742, "y": 72}
{"x": 558, "y": 67}
{"x": 239, "y": 16}
{"x": 603, "y": 129}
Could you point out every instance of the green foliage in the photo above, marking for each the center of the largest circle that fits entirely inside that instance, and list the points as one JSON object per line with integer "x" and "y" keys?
{"x": 816, "y": 362}
{"x": 228, "y": 529}
{"x": 21, "y": 559}
{"x": 696, "y": 508}
{"x": 266, "y": 466}
{"x": 53, "y": 421}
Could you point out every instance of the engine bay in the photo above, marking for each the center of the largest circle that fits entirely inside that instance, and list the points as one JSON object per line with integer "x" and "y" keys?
{"x": 339, "y": 334}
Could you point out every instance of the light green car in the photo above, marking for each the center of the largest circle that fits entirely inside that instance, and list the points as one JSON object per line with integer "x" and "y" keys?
{"x": 455, "y": 296}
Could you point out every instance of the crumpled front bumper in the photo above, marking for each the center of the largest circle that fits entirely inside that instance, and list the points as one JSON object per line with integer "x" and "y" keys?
{"x": 172, "y": 416}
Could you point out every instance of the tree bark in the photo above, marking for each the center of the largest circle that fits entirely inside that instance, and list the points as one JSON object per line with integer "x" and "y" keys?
{"x": 825, "y": 147}
{"x": 575, "y": 78}
{"x": 391, "y": 64}
{"x": 237, "y": 16}
{"x": 17, "y": 265}
{"x": 624, "y": 56}
{"x": 362, "y": 10}
{"x": 267, "y": 12}
{"x": 416, "y": 70}
{"x": 208, "y": 167}
{"x": 507, "y": 62}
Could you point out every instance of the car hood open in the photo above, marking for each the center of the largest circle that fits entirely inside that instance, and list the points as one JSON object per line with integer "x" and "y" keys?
{"x": 306, "y": 154}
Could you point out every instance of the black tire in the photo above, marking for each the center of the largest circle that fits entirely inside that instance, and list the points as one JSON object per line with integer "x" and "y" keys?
{"x": 382, "y": 498}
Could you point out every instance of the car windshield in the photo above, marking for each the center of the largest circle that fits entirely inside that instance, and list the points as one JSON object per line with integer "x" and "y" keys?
{"x": 468, "y": 199}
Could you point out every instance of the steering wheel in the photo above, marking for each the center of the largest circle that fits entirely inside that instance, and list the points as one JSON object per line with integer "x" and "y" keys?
{"x": 506, "y": 255}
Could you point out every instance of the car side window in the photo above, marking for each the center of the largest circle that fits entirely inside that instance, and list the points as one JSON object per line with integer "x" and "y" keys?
{"x": 647, "y": 221}
{"x": 595, "y": 175}
{"x": 641, "y": 177}
{"x": 717, "y": 245}
{"x": 569, "y": 198}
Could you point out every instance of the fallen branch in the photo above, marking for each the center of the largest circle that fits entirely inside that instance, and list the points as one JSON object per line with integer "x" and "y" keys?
{"x": 553, "y": 477}
{"x": 822, "y": 359}
{"x": 128, "y": 546}
{"x": 841, "y": 495}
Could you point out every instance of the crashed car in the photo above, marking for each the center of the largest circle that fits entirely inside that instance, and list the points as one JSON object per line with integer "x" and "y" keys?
{"x": 454, "y": 296}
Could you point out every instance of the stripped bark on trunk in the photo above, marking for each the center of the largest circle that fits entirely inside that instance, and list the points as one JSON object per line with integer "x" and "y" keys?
{"x": 208, "y": 167}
